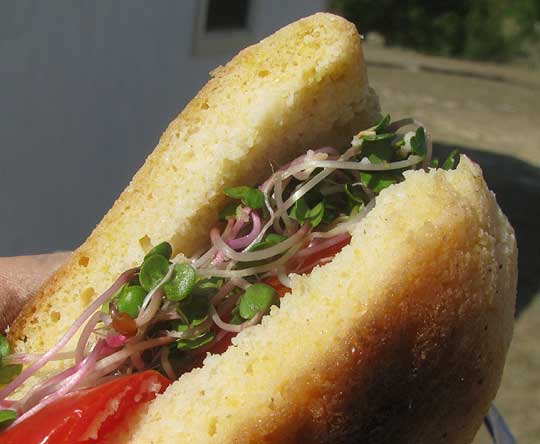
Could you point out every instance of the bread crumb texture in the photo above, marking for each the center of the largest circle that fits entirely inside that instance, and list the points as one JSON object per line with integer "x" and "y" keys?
{"x": 401, "y": 338}
{"x": 303, "y": 87}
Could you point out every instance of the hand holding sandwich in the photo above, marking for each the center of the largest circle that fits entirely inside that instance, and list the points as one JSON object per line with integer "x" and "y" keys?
{"x": 20, "y": 277}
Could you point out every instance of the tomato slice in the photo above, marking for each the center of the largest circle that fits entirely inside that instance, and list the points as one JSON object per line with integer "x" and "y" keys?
{"x": 309, "y": 262}
{"x": 276, "y": 284}
{"x": 88, "y": 416}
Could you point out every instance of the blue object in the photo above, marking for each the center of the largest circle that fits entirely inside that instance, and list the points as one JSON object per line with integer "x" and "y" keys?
{"x": 497, "y": 427}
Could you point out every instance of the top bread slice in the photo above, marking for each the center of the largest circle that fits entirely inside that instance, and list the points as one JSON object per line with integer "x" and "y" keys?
{"x": 400, "y": 339}
{"x": 304, "y": 86}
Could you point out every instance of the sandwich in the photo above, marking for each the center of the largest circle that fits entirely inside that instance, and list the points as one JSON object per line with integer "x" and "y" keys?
{"x": 288, "y": 266}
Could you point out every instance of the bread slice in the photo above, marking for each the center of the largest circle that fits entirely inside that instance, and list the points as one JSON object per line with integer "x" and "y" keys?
{"x": 304, "y": 86}
{"x": 400, "y": 339}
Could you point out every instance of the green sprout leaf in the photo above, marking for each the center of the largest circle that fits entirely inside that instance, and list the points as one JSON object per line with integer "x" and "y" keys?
{"x": 449, "y": 163}
{"x": 257, "y": 298}
{"x": 378, "y": 181}
{"x": 301, "y": 212}
{"x": 131, "y": 299}
{"x": 383, "y": 123}
{"x": 236, "y": 318}
{"x": 114, "y": 298}
{"x": 153, "y": 270}
{"x": 356, "y": 209}
{"x": 251, "y": 197}
{"x": 268, "y": 241}
{"x": 378, "y": 148}
{"x": 9, "y": 372}
{"x": 350, "y": 194}
{"x": 7, "y": 417}
{"x": 207, "y": 287}
{"x": 182, "y": 282}
{"x": 195, "y": 309}
{"x": 434, "y": 163}
{"x": 229, "y": 211}
{"x": 4, "y": 347}
{"x": 163, "y": 249}
{"x": 194, "y": 343}
{"x": 316, "y": 214}
{"x": 418, "y": 142}
{"x": 330, "y": 211}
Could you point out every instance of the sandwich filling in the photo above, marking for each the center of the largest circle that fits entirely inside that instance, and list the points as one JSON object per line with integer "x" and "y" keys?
{"x": 170, "y": 312}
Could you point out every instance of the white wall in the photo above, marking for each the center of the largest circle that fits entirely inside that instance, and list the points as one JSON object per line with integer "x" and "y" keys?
{"x": 86, "y": 88}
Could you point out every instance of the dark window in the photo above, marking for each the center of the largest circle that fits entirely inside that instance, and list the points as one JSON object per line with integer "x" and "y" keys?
{"x": 225, "y": 15}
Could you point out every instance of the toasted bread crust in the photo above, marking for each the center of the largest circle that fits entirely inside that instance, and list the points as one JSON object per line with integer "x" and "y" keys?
{"x": 305, "y": 86}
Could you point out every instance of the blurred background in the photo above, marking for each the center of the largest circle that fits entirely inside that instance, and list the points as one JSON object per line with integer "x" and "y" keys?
{"x": 87, "y": 88}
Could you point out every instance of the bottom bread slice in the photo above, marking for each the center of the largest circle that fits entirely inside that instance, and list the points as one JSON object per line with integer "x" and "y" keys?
{"x": 401, "y": 338}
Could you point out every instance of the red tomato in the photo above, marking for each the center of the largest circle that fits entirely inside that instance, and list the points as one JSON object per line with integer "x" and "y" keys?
{"x": 215, "y": 348}
{"x": 275, "y": 283}
{"x": 311, "y": 261}
{"x": 87, "y": 416}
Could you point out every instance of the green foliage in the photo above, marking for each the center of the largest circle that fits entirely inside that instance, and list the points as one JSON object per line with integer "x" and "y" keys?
{"x": 481, "y": 29}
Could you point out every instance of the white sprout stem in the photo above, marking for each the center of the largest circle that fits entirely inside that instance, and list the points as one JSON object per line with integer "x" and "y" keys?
{"x": 153, "y": 307}
{"x": 223, "y": 291}
{"x": 253, "y": 321}
{"x": 283, "y": 278}
{"x": 292, "y": 199}
{"x": 137, "y": 361}
{"x": 151, "y": 293}
{"x": 322, "y": 245}
{"x": 126, "y": 352}
{"x": 214, "y": 272}
{"x": 191, "y": 332}
{"x": 44, "y": 388}
{"x": 26, "y": 358}
{"x": 205, "y": 258}
{"x": 234, "y": 328}
{"x": 278, "y": 195}
{"x": 7, "y": 390}
{"x": 242, "y": 283}
{"x": 243, "y": 241}
{"x": 166, "y": 363}
{"x": 278, "y": 199}
{"x": 85, "y": 336}
{"x": 227, "y": 306}
{"x": 313, "y": 182}
{"x": 384, "y": 166}
{"x": 394, "y": 126}
{"x": 261, "y": 254}
{"x": 283, "y": 173}
{"x": 85, "y": 367}
{"x": 266, "y": 191}
{"x": 347, "y": 226}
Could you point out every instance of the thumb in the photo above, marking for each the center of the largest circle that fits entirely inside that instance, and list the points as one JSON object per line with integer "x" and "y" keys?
{"x": 20, "y": 277}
